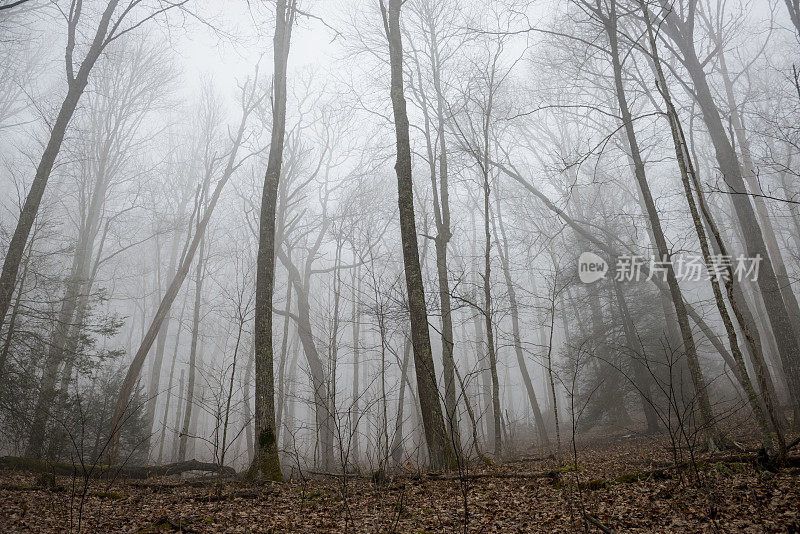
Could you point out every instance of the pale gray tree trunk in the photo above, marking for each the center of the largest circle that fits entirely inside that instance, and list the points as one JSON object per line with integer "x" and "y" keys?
{"x": 198, "y": 300}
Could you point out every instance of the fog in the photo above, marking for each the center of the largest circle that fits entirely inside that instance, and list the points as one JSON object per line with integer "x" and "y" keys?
{"x": 452, "y": 233}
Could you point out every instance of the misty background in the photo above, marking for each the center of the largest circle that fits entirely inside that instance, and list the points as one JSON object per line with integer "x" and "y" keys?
{"x": 514, "y": 106}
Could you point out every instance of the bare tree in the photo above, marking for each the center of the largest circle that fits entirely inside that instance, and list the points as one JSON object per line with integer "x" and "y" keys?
{"x": 108, "y": 30}
{"x": 266, "y": 463}
{"x": 439, "y": 448}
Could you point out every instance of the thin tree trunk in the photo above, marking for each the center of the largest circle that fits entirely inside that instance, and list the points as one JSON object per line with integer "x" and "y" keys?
{"x": 487, "y": 315}
{"x": 12, "y": 321}
{"x": 514, "y": 310}
{"x": 355, "y": 413}
{"x": 714, "y": 434}
{"x": 282, "y": 362}
{"x": 397, "y": 439}
{"x": 248, "y": 414}
{"x": 161, "y": 341}
{"x": 198, "y": 298}
{"x": 230, "y": 394}
{"x": 178, "y": 412}
{"x": 169, "y": 385}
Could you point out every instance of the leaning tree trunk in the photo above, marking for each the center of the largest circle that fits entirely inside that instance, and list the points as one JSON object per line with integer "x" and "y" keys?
{"x": 248, "y": 104}
{"x": 755, "y": 246}
{"x": 322, "y": 413}
{"x": 77, "y": 84}
{"x": 439, "y": 449}
{"x": 514, "y": 310}
{"x": 714, "y": 434}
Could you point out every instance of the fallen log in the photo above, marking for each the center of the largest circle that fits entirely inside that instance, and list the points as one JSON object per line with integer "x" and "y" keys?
{"x": 34, "y": 465}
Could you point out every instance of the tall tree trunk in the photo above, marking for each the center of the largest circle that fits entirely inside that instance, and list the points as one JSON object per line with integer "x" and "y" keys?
{"x": 355, "y": 413}
{"x": 681, "y": 34}
{"x": 714, "y": 434}
{"x": 198, "y": 298}
{"x": 397, "y": 439}
{"x": 248, "y": 414}
{"x": 439, "y": 449}
{"x": 230, "y": 393}
{"x": 316, "y": 366}
{"x": 169, "y": 386}
{"x": 161, "y": 343}
{"x": 178, "y": 412}
{"x": 266, "y": 463}
{"x": 687, "y": 171}
{"x": 282, "y": 362}
{"x": 514, "y": 310}
{"x": 7, "y": 341}
{"x": 487, "y": 315}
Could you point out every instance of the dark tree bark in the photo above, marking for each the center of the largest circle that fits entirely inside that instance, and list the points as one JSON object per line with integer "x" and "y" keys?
{"x": 794, "y": 13}
{"x": 266, "y": 463}
{"x": 439, "y": 449}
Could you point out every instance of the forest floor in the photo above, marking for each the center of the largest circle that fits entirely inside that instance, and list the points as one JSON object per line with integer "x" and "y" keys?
{"x": 616, "y": 486}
